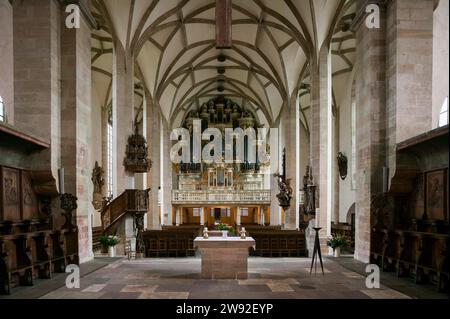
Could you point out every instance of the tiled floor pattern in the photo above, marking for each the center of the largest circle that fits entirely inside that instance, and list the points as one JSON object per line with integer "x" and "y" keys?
{"x": 286, "y": 278}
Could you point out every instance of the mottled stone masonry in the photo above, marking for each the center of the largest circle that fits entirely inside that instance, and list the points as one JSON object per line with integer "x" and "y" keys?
{"x": 290, "y": 139}
{"x": 409, "y": 63}
{"x": 319, "y": 140}
{"x": 36, "y": 27}
{"x": 7, "y": 59}
{"x": 154, "y": 176}
{"x": 123, "y": 115}
{"x": 370, "y": 131}
{"x": 76, "y": 125}
{"x": 167, "y": 178}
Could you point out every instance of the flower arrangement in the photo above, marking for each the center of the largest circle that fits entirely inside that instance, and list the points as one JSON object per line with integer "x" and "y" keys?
{"x": 336, "y": 241}
{"x": 109, "y": 240}
{"x": 223, "y": 227}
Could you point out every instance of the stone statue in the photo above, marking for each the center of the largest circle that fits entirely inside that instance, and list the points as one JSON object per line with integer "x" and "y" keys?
{"x": 309, "y": 192}
{"x": 97, "y": 178}
{"x": 98, "y": 181}
{"x": 284, "y": 185}
{"x": 285, "y": 194}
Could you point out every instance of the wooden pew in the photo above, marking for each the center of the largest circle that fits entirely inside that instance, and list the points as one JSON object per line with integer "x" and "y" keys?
{"x": 171, "y": 241}
{"x": 278, "y": 243}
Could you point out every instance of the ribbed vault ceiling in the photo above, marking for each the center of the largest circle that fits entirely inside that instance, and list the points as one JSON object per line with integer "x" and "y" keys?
{"x": 176, "y": 59}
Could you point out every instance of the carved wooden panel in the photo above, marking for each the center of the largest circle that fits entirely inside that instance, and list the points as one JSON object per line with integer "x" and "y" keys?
{"x": 10, "y": 193}
{"x": 30, "y": 207}
{"x": 417, "y": 202}
{"x": 435, "y": 195}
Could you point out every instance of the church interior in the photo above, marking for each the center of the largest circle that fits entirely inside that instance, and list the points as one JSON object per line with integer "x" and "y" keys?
{"x": 224, "y": 149}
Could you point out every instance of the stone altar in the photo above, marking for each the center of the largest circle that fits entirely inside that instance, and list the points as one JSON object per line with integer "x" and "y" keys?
{"x": 224, "y": 257}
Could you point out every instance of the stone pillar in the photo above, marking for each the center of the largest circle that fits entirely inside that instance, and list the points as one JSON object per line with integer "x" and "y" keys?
{"x": 36, "y": 27}
{"x": 410, "y": 64}
{"x": 202, "y": 216}
{"x": 321, "y": 139}
{"x": 166, "y": 177}
{"x": 76, "y": 113}
{"x": 177, "y": 217}
{"x": 274, "y": 168}
{"x": 262, "y": 216}
{"x": 123, "y": 115}
{"x": 238, "y": 216}
{"x": 370, "y": 128}
{"x": 154, "y": 145}
{"x": 291, "y": 133}
{"x": 335, "y": 168}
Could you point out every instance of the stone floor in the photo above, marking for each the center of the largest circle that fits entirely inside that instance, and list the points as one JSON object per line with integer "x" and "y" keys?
{"x": 269, "y": 278}
{"x": 280, "y": 278}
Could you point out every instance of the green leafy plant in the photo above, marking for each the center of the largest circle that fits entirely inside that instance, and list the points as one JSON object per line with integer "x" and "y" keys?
{"x": 223, "y": 227}
{"x": 336, "y": 241}
{"x": 109, "y": 240}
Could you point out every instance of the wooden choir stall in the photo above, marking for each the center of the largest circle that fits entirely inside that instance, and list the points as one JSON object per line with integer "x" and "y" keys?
{"x": 33, "y": 244}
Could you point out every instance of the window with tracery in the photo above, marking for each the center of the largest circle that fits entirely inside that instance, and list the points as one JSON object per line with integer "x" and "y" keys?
{"x": 109, "y": 156}
{"x": 443, "y": 115}
{"x": 2, "y": 110}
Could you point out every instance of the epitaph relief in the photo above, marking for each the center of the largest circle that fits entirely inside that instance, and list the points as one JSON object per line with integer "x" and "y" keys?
{"x": 343, "y": 165}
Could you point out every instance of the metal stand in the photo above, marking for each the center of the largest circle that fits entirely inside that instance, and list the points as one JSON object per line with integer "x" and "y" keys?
{"x": 315, "y": 253}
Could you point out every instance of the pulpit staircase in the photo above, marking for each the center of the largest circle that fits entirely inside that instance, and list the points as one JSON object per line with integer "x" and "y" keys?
{"x": 132, "y": 204}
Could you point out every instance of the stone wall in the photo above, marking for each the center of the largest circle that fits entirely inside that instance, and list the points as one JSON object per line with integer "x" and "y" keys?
{"x": 410, "y": 57}
{"x": 342, "y": 86}
{"x": 36, "y": 76}
{"x": 7, "y": 59}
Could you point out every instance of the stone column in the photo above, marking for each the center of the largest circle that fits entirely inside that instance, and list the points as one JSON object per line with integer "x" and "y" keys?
{"x": 123, "y": 115}
{"x": 274, "y": 168}
{"x": 76, "y": 113}
{"x": 202, "y": 216}
{"x": 238, "y": 216}
{"x": 154, "y": 146}
{"x": 321, "y": 139}
{"x": 166, "y": 178}
{"x": 177, "y": 217}
{"x": 370, "y": 128}
{"x": 36, "y": 27}
{"x": 291, "y": 133}
{"x": 410, "y": 64}
{"x": 335, "y": 168}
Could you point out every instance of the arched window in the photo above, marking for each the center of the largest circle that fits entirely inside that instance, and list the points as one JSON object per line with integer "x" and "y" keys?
{"x": 109, "y": 155}
{"x": 443, "y": 116}
{"x": 2, "y": 110}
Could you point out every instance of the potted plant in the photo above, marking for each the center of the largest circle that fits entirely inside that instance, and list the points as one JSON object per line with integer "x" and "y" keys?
{"x": 337, "y": 241}
{"x": 110, "y": 241}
